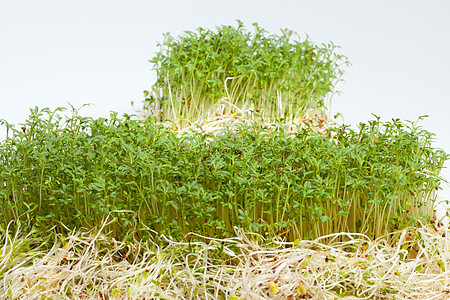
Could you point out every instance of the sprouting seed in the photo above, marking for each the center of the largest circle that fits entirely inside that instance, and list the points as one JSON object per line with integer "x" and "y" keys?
{"x": 273, "y": 287}
{"x": 301, "y": 289}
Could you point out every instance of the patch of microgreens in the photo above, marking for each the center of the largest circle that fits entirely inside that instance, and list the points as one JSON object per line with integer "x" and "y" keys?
{"x": 91, "y": 265}
{"x": 277, "y": 76}
{"x": 377, "y": 179}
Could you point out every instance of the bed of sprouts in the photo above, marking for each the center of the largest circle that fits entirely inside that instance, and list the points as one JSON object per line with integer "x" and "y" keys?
{"x": 279, "y": 76}
{"x": 264, "y": 178}
{"x": 91, "y": 265}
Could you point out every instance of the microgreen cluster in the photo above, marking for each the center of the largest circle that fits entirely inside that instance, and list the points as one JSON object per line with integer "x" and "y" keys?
{"x": 279, "y": 76}
{"x": 76, "y": 171}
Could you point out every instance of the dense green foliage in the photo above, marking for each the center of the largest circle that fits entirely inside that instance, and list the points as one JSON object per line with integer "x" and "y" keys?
{"x": 279, "y": 75}
{"x": 76, "y": 171}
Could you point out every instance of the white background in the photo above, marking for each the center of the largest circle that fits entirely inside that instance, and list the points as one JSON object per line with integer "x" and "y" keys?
{"x": 55, "y": 52}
